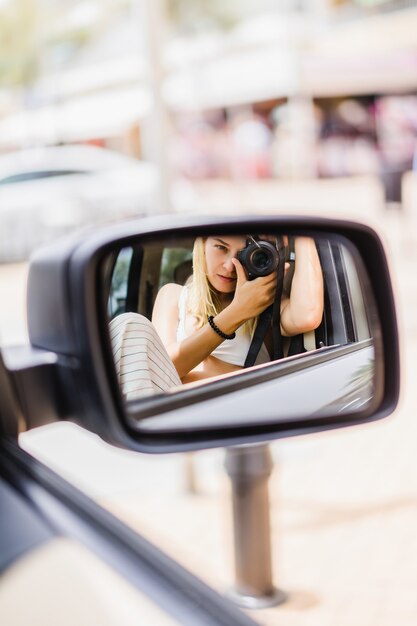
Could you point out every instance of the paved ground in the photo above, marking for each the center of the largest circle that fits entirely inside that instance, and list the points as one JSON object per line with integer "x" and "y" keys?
{"x": 344, "y": 504}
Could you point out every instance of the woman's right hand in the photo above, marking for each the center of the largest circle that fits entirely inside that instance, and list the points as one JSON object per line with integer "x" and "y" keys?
{"x": 252, "y": 296}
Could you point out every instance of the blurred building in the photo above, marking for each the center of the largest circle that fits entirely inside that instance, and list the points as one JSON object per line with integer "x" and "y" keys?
{"x": 319, "y": 89}
{"x": 334, "y": 83}
{"x": 92, "y": 80}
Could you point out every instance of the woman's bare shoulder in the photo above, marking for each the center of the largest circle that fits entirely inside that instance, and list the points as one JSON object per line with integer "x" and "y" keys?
{"x": 169, "y": 294}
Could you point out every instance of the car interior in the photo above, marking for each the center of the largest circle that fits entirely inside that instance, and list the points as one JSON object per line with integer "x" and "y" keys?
{"x": 135, "y": 274}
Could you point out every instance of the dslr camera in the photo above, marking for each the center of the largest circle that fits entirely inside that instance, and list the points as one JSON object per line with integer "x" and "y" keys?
{"x": 259, "y": 258}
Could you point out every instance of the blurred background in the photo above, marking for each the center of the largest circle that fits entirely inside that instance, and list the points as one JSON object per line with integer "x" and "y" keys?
{"x": 117, "y": 108}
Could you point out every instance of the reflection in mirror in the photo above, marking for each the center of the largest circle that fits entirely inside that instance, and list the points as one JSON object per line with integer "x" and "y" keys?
{"x": 291, "y": 312}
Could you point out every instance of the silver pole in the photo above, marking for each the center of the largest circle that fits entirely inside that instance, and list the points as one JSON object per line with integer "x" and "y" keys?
{"x": 249, "y": 469}
{"x": 155, "y": 128}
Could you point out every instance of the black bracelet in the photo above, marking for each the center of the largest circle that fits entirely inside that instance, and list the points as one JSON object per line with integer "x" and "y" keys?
{"x": 217, "y": 329}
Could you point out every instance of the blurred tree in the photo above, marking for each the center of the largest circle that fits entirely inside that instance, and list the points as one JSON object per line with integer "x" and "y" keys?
{"x": 37, "y": 33}
{"x": 19, "y": 43}
{"x": 71, "y": 26}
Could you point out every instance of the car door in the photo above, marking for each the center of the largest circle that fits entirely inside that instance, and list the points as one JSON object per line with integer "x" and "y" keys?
{"x": 65, "y": 560}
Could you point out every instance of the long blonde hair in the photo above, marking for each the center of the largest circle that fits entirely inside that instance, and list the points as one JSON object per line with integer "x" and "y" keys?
{"x": 203, "y": 299}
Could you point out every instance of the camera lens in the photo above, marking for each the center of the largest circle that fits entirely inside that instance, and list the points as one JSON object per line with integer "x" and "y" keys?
{"x": 261, "y": 259}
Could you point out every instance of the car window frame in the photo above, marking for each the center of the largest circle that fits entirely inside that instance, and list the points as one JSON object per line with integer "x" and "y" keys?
{"x": 69, "y": 512}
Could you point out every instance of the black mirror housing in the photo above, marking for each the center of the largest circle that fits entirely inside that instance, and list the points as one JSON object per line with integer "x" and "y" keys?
{"x": 66, "y": 301}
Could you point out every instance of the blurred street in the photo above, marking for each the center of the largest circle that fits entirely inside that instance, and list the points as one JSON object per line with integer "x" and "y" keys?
{"x": 343, "y": 504}
{"x": 123, "y": 108}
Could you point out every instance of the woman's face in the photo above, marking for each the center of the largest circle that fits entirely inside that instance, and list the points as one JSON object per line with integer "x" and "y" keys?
{"x": 219, "y": 253}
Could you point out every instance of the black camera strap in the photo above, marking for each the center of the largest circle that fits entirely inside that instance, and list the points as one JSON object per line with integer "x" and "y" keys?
{"x": 276, "y": 317}
{"x": 272, "y": 313}
{"x": 261, "y": 329}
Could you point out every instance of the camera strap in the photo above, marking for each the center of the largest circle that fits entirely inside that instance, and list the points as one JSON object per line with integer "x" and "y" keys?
{"x": 276, "y": 316}
{"x": 271, "y": 314}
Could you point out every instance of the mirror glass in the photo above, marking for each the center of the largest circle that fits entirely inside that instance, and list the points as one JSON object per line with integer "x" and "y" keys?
{"x": 286, "y": 320}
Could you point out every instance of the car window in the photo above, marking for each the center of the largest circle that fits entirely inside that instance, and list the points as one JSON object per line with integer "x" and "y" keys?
{"x": 344, "y": 302}
{"x": 137, "y": 276}
{"x": 344, "y": 321}
{"x": 37, "y": 175}
{"x": 119, "y": 282}
{"x": 176, "y": 266}
{"x": 355, "y": 297}
{"x": 342, "y": 282}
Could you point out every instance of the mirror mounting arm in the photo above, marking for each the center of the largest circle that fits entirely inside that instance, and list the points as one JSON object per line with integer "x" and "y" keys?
{"x": 34, "y": 374}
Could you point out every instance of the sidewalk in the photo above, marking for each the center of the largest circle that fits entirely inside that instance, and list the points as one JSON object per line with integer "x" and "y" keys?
{"x": 343, "y": 508}
{"x": 343, "y": 504}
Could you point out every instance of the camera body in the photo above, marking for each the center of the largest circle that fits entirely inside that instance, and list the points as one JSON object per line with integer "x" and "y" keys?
{"x": 259, "y": 258}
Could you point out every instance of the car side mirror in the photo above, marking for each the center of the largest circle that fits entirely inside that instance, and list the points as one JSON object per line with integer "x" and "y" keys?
{"x": 135, "y": 315}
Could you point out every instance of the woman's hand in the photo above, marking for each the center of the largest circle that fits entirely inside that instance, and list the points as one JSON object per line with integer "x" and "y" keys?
{"x": 252, "y": 296}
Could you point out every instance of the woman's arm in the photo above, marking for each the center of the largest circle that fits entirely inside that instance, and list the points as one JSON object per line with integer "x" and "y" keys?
{"x": 302, "y": 311}
{"x": 192, "y": 350}
{"x": 250, "y": 299}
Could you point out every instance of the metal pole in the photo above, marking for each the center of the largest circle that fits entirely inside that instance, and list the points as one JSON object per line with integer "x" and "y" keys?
{"x": 155, "y": 129}
{"x": 249, "y": 469}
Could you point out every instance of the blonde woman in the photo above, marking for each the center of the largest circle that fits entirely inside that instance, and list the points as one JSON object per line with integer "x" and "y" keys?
{"x": 207, "y": 325}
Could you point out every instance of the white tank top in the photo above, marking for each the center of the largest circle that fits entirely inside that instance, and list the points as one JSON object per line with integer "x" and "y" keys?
{"x": 232, "y": 351}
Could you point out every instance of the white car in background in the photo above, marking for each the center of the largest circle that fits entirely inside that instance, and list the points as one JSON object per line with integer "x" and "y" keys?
{"x": 45, "y": 192}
